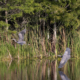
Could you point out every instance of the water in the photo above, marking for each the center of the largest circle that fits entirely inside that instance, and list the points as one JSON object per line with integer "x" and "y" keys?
{"x": 36, "y": 69}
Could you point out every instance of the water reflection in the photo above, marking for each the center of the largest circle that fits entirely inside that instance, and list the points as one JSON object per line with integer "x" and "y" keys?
{"x": 63, "y": 76}
{"x": 53, "y": 70}
{"x": 37, "y": 70}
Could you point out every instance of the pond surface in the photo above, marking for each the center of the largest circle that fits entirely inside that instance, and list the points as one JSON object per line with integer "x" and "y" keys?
{"x": 36, "y": 69}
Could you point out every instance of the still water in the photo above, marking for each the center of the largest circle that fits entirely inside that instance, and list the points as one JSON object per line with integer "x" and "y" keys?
{"x": 37, "y": 69}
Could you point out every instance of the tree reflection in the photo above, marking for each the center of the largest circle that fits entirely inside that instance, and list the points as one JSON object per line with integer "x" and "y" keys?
{"x": 37, "y": 69}
{"x": 53, "y": 70}
{"x": 43, "y": 70}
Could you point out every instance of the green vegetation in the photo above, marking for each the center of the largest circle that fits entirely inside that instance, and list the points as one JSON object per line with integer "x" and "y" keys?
{"x": 52, "y": 25}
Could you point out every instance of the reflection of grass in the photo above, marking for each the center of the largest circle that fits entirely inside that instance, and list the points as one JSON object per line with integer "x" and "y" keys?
{"x": 75, "y": 69}
{"x": 72, "y": 69}
{"x": 33, "y": 68}
{"x": 3, "y": 68}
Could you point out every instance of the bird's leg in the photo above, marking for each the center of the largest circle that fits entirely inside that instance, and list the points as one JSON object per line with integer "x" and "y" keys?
{"x": 21, "y": 50}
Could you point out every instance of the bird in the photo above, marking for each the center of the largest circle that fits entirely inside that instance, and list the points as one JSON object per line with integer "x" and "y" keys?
{"x": 21, "y": 37}
{"x": 63, "y": 76}
{"x": 66, "y": 56}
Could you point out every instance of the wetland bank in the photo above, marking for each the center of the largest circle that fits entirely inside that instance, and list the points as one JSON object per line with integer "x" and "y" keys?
{"x": 51, "y": 27}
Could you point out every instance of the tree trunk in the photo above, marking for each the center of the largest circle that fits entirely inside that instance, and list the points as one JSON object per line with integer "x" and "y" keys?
{"x": 6, "y": 20}
{"x": 53, "y": 44}
{"x": 43, "y": 45}
{"x": 43, "y": 37}
{"x": 64, "y": 39}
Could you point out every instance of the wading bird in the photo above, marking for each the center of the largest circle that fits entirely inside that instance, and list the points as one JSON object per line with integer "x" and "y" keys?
{"x": 63, "y": 76}
{"x": 66, "y": 56}
{"x": 21, "y": 38}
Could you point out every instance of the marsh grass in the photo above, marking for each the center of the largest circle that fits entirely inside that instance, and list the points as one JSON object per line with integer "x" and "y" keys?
{"x": 33, "y": 46}
{"x": 74, "y": 43}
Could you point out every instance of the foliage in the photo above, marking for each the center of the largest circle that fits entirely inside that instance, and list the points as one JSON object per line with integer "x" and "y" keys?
{"x": 39, "y": 16}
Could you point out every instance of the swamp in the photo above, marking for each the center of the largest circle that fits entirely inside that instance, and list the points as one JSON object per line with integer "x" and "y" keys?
{"x": 51, "y": 26}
